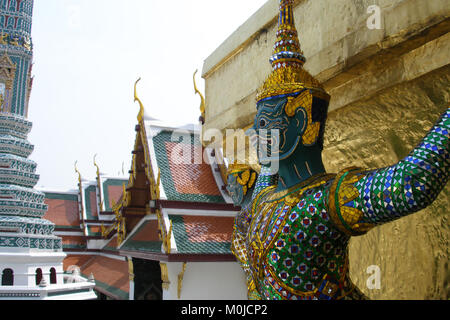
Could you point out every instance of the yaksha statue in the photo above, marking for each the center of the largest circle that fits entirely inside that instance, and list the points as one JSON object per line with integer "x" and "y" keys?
{"x": 292, "y": 236}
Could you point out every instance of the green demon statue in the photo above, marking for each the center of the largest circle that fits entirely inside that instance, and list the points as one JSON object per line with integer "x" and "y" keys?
{"x": 292, "y": 237}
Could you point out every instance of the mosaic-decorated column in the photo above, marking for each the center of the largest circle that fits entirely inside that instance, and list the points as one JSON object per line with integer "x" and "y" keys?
{"x": 23, "y": 231}
{"x": 16, "y": 54}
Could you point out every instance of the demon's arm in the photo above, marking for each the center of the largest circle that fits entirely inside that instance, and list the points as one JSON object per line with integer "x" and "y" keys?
{"x": 359, "y": 201}
{"x": 264, "y": 182}
{"x": 239, "y": 248}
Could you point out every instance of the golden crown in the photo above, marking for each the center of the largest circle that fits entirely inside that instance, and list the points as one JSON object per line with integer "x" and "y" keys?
{"x": 288, "y": 75}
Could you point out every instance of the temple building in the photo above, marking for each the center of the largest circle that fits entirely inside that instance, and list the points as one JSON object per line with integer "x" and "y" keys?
{"x": 163, "y": 233}
{"x": 31, "y": 255}
{"x": 79, "y": 216}
{"x": 386, "y": 66}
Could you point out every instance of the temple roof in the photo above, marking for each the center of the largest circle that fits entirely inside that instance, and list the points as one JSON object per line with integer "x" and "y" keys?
{"x": 145, "y": 239}
{"x": 194, "y": 238}
{"x": 183, "y": 177}
{"x": 202, "y": 234}
{"x": 111, "y": 275}
{"x": 63, "y": 210}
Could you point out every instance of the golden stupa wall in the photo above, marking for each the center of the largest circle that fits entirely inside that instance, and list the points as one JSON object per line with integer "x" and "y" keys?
{"x": 388, "y": 87}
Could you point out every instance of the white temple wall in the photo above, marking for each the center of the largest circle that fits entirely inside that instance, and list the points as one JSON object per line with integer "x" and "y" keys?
{"x": 207, "y": 281}
{"x": 24, "y": 267}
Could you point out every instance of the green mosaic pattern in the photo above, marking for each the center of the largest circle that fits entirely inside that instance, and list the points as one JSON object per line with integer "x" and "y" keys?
{"x": 265, "y": 179}
{"x": 18, "y": 163}
{"x": 14, "y": 125}
{"x": 409, "y": 186}
{"x": 27, "y": 225}
{"x": 61, "y": 196}
{"x": 21, "y": 207}
{"x": 29, "y": 242}
{"x": 75, "y": 246}
{"x": 302, "y": 245}
{"x": 142, "y": 246}
{"x": 300, "y": 251}
{"x": 111, "y": 289}
{"x": 15, "y": 146}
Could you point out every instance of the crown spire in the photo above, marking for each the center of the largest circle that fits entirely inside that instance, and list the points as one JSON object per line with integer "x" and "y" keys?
{"x": 288, "y": 76}
{"x": 287, "y": 50}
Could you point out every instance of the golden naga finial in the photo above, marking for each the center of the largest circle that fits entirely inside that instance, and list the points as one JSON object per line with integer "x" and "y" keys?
{"x": 158, "y": 185}
{"x": 99, "y": 183}
{"x": 142, "y": 110}
{"x": 169, "y": 239}
{"x": 96, "y": 165}
{"x": 203, "y": 103}
{"x": 180, "y": 279}
{"x": 76, "y": 170}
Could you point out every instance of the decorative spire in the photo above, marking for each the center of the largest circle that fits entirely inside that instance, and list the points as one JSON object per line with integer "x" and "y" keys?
{"x": 203, "y": 103}
{"x": 99, "y": 184}
{"x": 96, "y": 165}
{"x": 142, "y": 110}
{"x": 78, "y": 172}
{"x": 287, "y": 50}
{"x": 288, "y": 76}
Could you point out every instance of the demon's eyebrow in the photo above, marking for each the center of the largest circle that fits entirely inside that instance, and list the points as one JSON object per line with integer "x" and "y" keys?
{"x": 272, "y": 105}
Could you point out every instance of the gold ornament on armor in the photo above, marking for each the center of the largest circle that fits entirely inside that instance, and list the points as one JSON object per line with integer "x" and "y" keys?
{"x": 245, "y": 176}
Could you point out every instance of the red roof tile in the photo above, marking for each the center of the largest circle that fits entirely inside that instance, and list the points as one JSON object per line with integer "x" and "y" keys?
{"x": 95, "y": 229}
{"x": 209, "y": 229}
{"x": 75, "y": 260}
{"x": 111, "y": 272}
{"x": 73, "y": 240}
{"x": 111, "y": 245}
{"x": 114, "y": 194}
{"x": 62, "y": 212}
{"x": 93, "y": 201}
{"x": 148, "y": 232}
{"x": 190, "y": 178}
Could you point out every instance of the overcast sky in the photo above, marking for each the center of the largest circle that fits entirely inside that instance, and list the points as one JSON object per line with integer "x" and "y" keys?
{"x": 87, "y": 56}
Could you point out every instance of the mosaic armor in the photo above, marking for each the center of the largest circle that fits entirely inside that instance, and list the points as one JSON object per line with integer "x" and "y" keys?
{"x": 293, "y": 244}
{"x": 292, "y": 237}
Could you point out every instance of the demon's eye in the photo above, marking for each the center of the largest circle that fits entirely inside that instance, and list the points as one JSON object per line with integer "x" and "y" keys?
{"x": 262, "y": 123}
